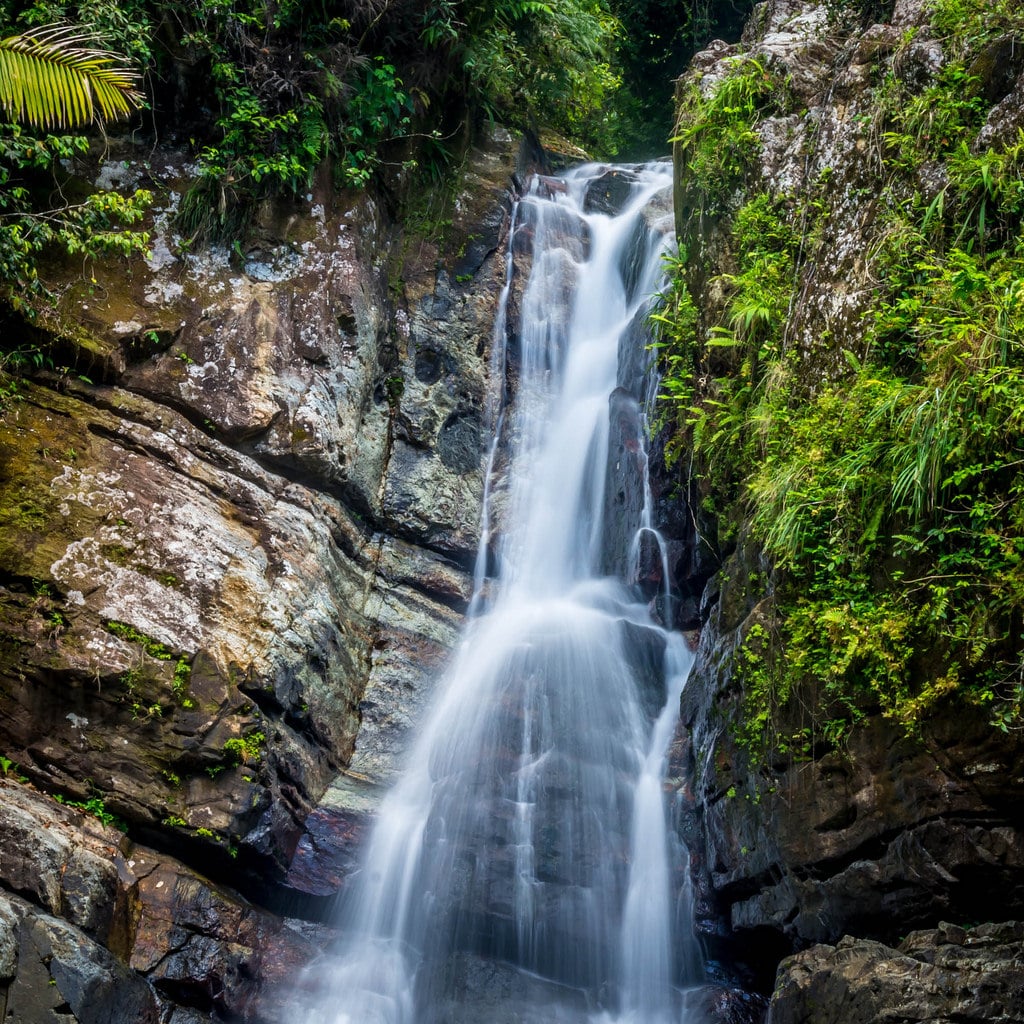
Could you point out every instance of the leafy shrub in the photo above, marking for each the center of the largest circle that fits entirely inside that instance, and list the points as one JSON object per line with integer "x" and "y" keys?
{"x": 244, "y": 749}
{"x": 967, "y": 25}
{"x": 97, "y": 808}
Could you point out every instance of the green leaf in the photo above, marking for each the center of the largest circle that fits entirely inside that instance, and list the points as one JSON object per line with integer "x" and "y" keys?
{"x": 49, "y": 80}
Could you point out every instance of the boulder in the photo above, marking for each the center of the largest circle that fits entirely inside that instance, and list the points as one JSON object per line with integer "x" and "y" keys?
{"x": 970, "y": 975}
{"x": 609, "y": 192}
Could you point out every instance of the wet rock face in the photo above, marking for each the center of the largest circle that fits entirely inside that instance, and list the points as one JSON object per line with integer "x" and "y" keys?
{"x": 233, "y": 560}
{"x": 624, "y": 494}
{"x": 609, "y": 193}
{"x": 889, "y": 834}
{"x": 460, "y": 442}
{"x": 679, "y": 560}
{"x": 97, "y": 930}
{"x": 492, "y": 991}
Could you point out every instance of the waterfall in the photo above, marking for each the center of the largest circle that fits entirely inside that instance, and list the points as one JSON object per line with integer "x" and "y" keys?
{"x": 521, "y": 869}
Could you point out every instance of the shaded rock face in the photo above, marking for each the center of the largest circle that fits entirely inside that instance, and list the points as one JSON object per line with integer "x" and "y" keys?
{"x": 886, "y": 833}
{"x": 889, "y": 834}
{"x": 636, "y": 462}
{"x": 234, "y": 555}
{"x": 53, "y": 973}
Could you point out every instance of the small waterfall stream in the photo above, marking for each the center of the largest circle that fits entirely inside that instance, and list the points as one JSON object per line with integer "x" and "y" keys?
{"x": 521, "y": 869}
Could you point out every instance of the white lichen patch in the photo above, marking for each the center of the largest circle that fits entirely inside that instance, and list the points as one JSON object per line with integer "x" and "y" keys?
{"x": 402, "y": 323}
{"x": 94, "y": 489}
{"x": 162, "y": 612}
{"x": 118, "y": 175}
{"x": 163, "y": 241}
{"x": 160, "y": 255}
{"x": 159, "y": 293}
{"x": 281, "y": 265}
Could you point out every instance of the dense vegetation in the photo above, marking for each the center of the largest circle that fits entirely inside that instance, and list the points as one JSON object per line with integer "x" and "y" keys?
{"x": 53, "y": 82}
{"x": 267, "y": 93}
{"x": 884, "y": 481}
{"x": 657, "y": 40}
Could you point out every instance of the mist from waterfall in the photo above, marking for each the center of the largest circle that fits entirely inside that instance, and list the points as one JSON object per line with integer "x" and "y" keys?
{"x": 525, "y": 851}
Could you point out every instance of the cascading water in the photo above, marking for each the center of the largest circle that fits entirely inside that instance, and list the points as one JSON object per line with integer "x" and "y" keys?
{"x": 525, "y": 850}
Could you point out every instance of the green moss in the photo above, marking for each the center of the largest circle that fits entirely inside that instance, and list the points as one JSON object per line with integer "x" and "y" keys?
{"x": 125, "y": 557}
{"x": 35, "y": 527}
{"x": 29, "y": 516}
{"x": 761, "y": 693}
{"x": 245, "y": 749}
{"x": 152, "y": 647}
{"x": 116, "y": 553}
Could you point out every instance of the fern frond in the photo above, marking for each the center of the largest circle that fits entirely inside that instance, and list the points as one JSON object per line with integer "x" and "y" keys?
{"x": 50, "y": 80}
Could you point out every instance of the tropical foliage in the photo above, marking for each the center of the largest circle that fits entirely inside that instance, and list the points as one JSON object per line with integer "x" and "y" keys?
{"x": 659, "y": 38}
{"x": 50, "y": 81}
{"x": 367, "y": 86}
{"x": 885, "y": 484}
{"x": 715, "y": 138}
{"x": 271, "y": 94}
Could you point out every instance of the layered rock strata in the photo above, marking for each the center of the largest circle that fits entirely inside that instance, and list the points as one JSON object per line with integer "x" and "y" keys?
{"x": 237, "y": 532}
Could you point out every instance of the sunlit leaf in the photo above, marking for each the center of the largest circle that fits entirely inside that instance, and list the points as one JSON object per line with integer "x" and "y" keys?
{"x": 51, "y": 80}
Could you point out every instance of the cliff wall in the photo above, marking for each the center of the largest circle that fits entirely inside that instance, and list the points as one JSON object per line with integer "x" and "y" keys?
{"x": 826, "y": 800}
{"x": 238, "y": 530}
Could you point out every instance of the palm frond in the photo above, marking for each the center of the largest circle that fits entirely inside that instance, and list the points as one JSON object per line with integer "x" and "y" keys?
{"x": 50, "y": 80}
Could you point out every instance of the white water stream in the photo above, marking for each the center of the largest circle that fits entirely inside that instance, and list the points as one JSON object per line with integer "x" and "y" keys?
{"x": 522, "y": 869}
